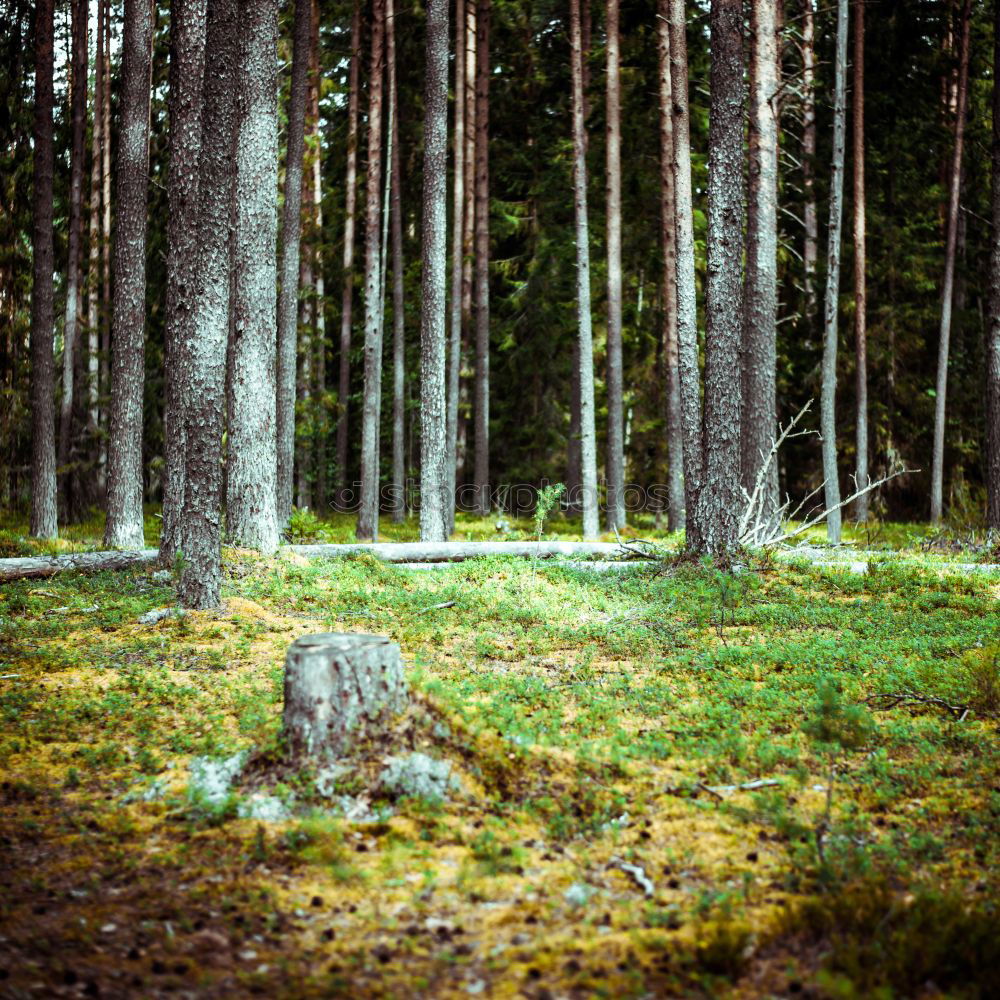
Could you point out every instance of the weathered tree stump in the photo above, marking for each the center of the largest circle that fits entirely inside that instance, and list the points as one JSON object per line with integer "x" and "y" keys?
{"x": 339, "y": 687}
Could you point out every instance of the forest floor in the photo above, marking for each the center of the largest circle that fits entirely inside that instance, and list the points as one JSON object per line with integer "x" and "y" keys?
{"x": 602, "y": 725}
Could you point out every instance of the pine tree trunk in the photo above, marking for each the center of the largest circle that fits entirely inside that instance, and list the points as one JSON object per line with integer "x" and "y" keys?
{"x": 616, "y": 447}
{"x": 588, "y": 437}
{"x": 810, "y": 250}
{"x": 828, "y": 422}
{"x": 433, "y": 312}
{"x": 124, "y": 526}
{"x": 94, "y": 264}
{"x": 481, "y": 473}
{"x": 291, "y": 235}
{"x": 347, "y": 295}
{"x": 367, "y": 529}
{"x": 306, "y": 310}
{"x": 187, "y": 70}
{"x": 955, "y": 182}
{"x": 398, "y": 313}
{"x": 43, "y": 440}
{"x": 860, "y": 287}
{"x": 251, "y": 471}
{"x": 993, "y": 324}
{"x": 720, "y": 502}
{"x": 71, "y": 324}
{"x": 106, "y": 308}
{"x": 205, "y": 364}
{"x": 319, "y": 331}
{"x": 668, "y": 217}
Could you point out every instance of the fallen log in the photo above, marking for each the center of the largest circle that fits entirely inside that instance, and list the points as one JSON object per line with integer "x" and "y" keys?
{"x": 435, "y": 552}
{"x": 29, "y": 567}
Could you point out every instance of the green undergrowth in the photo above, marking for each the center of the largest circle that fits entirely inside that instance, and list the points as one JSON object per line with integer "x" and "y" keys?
{"x": 598, "y": 719}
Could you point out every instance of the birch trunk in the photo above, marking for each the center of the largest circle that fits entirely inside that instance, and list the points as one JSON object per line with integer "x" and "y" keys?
{"x": 810, "y": 249}
{"x": 319, "y": 330}
{"x": 993, "y": 325}
{"x": 251, "y": 470}
{"x": 124, "y": 525}
{"x": 94, "y": 263}
{"x": 955, "y": 183}
{"x": 860, "y": 286}
{"x": 43, "y": 441}
{"x": 828, "y": 422}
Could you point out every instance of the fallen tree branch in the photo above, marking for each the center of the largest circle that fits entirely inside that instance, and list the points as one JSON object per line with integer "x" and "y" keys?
{"x": 892, "y": 699}
{"x": 31, "y": 567}
{"x": 433, "y": 552}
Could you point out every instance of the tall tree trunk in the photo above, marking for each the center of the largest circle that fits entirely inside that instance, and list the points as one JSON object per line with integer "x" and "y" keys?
{"x": 347, "y": 295}
{"x": 860, "y": 289}
{"x": 94, "y": 265}
{"x": 251, "y": 471}
{"x": 828, "y": 422}
{"x": 955, "y": 182}
{"x": 434, "y": 512}
{"x": 123, "y": 529}
{"x": 458, "y": 222}
{"x": 687, "y": 306}
{"x": 668, "y": 219}
{"x": 398, "y": 314}
{"x": 306, "y": 309}
{"x": 993, "y": 326}
{"x": 319, "y": 331}
{"x": 204, "y": 354}
{"x": 71, "y": 324}
{"x": 588, "y": 436}
{"x": 367, "y": 529}
{"x": 810, "y": 249}
{"x": 187, "y": 70}
{"x": 291, "y": 235}
{"x": 43, "y": 440}
{"x": 719, "y": 503}
{"x": 106, "y": 310}
{"x": 616, "y": 446}
{"x": 482, "y": 457}
{"x": 758, "y": 417}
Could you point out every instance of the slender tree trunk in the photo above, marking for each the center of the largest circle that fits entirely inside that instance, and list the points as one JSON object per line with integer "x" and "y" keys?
{"x": 291, "y": 235}
{"x": 306, "y": 309}
{"x": 204, "y": 354}
{"x": 810, "y": 250}
{"x": 993, "y": 324}
{"x": 860, "y": 289}
{"x": 71, "y": 324}
{"x": 955, "y": 181}
{"x": 482, "y": 458}
{"x": 124, "y": 526}
{"x": 687, "y": 307}
{"x": 319, "y": 331}
{"x": 434, "y": 301}
{"x": 588, "y": 436}
{"x": 398, "y": 314}
{"x": 187, "y": 70}
{"x": 828, "y": 422}
{"x": 616, "y": 447}
{"x": 458, "y": 222}
{"x": 251, "y": 471}
{"x": 367, "y": 529}
{"x": 719, "y": 503}
{"x": 94, "y": 266}
{"x": 668, "y": 218}
{"x": 347, "y": 295}
{"x": 43, "y": 440}
{"x": 106, "y": 310}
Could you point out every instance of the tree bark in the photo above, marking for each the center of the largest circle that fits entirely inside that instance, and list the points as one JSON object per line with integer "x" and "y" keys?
{"x": 616, "y": 446}
{"x": 205, "y": 364}
{"x": 481, "y": 472}
{"x": 43, "y": 443}
{"x": 187, "y": 71}
{"x": 251, "y": 472}
{"x": 687, "y": 306}
{"x": 955, "y": 184}
{"x": 347, "y": 295}
{"x": 810, "y": 249}
{"x": 719, "y": 503}
{"x": 124, "y": 526}
{"x": 306, "y": 311}
{"x": 319, "y": 331}
{"x": 94, "y": 265}
{"x": 71, "y": 324}
{"x": 758, "y": 409}
{"x": 291, "y": 235}
{"x": 993, "y": 325}
{"x": 860, "y": 286}
{"x": 828, "y": 423}
{"x": 588, "y": 437}
{"x": 668, "y": 219}
{"x": 434, "y": 513}
{"x": 367, "y": 528}
{"x": 106, "y": 310}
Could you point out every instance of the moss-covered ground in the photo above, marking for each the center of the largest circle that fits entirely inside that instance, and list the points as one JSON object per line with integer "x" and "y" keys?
{"x": 600, "y": 722}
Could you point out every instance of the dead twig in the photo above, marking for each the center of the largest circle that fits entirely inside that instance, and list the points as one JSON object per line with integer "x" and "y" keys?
{"x": 892, "y": 699}
{"x": 436, "y": 607}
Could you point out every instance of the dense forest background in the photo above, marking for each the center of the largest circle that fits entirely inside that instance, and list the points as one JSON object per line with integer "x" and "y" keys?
{"x": 911, "y": 69}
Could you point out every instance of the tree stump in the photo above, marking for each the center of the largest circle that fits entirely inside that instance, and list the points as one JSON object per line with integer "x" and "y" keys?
{"x": 339, "y": 687}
